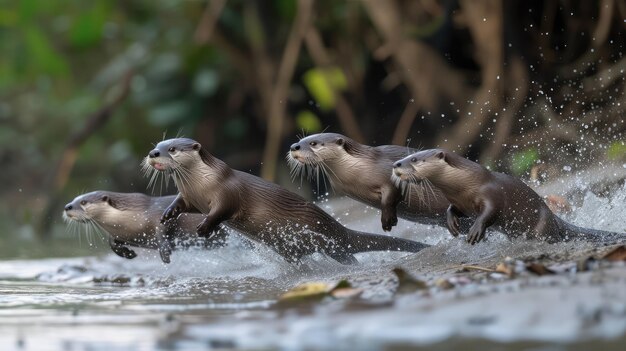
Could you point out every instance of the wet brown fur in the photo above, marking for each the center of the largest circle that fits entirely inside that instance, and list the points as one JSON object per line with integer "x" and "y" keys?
{"x": 362, "y": 172}
{"x": 491, "y": 198}
{"x": 259, "y": 209}
{"x": 132, "y": 219}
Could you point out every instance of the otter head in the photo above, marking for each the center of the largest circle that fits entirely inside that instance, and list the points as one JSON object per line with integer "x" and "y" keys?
{"x": 420, "y": 166}
{"x": 171, "y": 154}
{"x": 318, "y": 148}
{"x": 88, "y": 207}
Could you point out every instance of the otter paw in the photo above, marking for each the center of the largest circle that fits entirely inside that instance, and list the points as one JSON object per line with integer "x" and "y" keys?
{"x": 165, "y": 254}
{"x": 170, "y": 212}
{"x": 389, "y": 222}
{"x": 476, "y": 234}
{"x": 453, "y": 225}
{"x": 205, "y": 229}
{"x": 125, "y": 252}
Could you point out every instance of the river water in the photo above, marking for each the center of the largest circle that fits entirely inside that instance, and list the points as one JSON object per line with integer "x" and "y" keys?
{"x": 227, "y": 298}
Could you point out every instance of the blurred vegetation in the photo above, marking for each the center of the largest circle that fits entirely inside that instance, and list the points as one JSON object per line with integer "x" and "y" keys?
{"x": 86, "y": 87}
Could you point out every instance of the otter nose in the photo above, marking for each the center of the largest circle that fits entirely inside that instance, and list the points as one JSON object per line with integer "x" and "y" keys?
{"x": 68, "y": 207}
{"x": 397, "y": 165}
{"x": 295, "y": 147}
{"x": 154, "y": 153}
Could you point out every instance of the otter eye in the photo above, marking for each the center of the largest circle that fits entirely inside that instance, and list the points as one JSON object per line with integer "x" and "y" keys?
{"x": 172, "y": 149}
{"x": 105, "y": 198}
{"x": 414, "y": 160}
{"x": 83, "y": 202}
{"x": 313, "y": 143}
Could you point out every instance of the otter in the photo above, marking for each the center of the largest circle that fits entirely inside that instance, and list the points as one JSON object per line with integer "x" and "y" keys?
{"x": 362, "y": 173}
{"x": 493, "y": 199}
{"x": 263, "y": 211}
{"x": 134, "y": 219}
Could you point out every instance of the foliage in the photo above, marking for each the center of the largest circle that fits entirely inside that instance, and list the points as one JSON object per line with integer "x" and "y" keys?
{"x": 522, "y": 161}
{"x": 481, "y": 78}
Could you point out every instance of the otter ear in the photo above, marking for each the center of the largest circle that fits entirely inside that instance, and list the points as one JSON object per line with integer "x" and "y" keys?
{"x": 105, "y": 198}
{"x": 441, "y": 155}
{"x": 340, "y": 141}
{"x": 196, "y": 146}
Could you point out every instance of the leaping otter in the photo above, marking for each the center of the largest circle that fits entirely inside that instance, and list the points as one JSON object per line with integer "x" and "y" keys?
{"x": 491, "y": 198}
{"x": 362, "y": 172}
{"x": 263, "y": 211}
{"x": 133, "y": 220}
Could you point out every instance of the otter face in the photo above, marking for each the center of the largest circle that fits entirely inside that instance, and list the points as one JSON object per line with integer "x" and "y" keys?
{"x": 171, "y": 154}
{"x": 317, "y": 148}
{"x": 419, "y": 166}
{"x": 88, "y": 207}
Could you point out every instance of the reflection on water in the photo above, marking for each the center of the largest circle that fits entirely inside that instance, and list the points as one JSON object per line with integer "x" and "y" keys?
{"x": 226, "y": 298}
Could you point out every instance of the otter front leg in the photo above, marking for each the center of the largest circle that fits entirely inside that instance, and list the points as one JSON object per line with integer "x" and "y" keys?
{"x": 212, "y": 220}
{"x": 389, "y": 203}
{"x": 452, "y": 220}
{"x": 177, "y": 207}
{"x": 163, "y": 244}
{"x": 485, "y": 219}
{"x": 121, "y": 250}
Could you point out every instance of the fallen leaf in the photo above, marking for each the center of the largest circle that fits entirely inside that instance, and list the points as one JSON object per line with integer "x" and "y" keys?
{"x": 315, "y": 291}
{"x": 407, "y": 283}
{"x": 477, "y": 268}
{"x": 346, "y": 293}
{"x": 539, "y": 269}
{"x": 617, "y": 254}
{"x": 505, "y": 269}
{"x": 444, "y": 284}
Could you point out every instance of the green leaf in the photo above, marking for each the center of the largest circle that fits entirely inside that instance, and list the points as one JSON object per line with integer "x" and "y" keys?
{"x": 617, "y": 150}
{"x": 523, "y": 160}
{"x": 308, "y": 122}
{"x": 286, "y": 9}
{"x": 8, "y": 18}
{"x": 27, "y": 9}
{"x": 86, "y": 31}
{"x": 324, "y": 83}
{"x": 43, "y": 56}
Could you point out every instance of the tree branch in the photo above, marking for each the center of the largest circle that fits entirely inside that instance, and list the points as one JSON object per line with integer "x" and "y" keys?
{"x": 208, "y": 21}
{"x": 280, "y": 92}
{"x": 318, "y": 53}
{"x": 401, "y": 134}
{"x": 67, "y": 160}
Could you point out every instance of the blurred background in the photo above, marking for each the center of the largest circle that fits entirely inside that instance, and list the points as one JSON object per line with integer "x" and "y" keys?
{"x": 532, "y": 88}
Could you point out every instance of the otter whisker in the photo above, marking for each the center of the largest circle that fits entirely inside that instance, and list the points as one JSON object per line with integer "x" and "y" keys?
{"x": 154, "y": 175}
{"x": 331, "y": 174}
{"x": 99, "y": 230}
{"x": 181, "y": 178}
{"x": 317, "y": 181}
{"x": 427, "y": 191}
{"x": 296, "y": 168}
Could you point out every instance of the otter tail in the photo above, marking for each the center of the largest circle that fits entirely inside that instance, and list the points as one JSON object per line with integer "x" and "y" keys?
{"x": 364, "y": 242}
{"x": 572, "y": 232}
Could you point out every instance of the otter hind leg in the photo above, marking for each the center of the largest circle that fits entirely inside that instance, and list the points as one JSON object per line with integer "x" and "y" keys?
{"x": 452, "y": 220}
{"x": 389, "y": 202}
{"x": 164, "y": 245}
{"x": 121, "y": 250}
{"x": 484, "y": 220}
